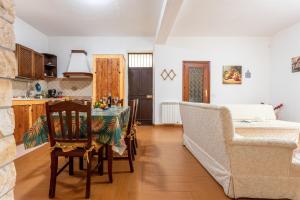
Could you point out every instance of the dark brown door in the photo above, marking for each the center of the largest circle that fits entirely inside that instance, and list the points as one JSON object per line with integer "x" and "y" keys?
{"x": 196, "y": 81}
{"x": 141, "y": 87}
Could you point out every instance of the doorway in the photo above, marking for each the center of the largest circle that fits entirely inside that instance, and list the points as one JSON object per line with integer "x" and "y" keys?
{"x": 140, "y": 84}
{"x": 196, "y": 81}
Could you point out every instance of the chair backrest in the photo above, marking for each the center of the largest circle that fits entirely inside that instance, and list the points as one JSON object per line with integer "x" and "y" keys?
{"x": 69, "y": 122}
{"x": 209, "y": 127}
{"x": 119, "y": 103}
{"x": 132, "y": 105}
{"x": 136, "y": 110}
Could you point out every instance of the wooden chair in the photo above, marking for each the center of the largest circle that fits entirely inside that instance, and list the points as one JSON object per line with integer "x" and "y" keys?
{"x": 109, "y": 153}
{"x": 120, "y": 102}
{"x": 69, "y": 135}
{"x": 134, "y": 128}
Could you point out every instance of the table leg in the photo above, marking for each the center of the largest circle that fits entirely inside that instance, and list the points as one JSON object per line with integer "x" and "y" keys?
{"x": 81, "y": 163}
{"x": 109, "y": 161}
{"x": 71, "y": 166}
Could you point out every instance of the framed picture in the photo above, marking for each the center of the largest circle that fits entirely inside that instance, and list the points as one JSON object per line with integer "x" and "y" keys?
{"x": 232, "y": 74}
{"x": 296, "y": 64}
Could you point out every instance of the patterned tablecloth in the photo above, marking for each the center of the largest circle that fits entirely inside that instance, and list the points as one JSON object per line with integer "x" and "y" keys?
{"x": 108, "y": 127}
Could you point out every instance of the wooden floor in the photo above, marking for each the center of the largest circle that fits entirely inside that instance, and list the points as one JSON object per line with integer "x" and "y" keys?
{"x": 164, "y": 170}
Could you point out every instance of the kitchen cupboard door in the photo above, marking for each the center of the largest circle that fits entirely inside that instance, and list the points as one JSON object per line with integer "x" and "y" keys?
{"x": 113, "y": 77}
{"x": 108, "y": 77}
{"x": 37, "y": 110}
{"x": 25, "y": 61}
{"x": 38, "y": 66}
{"x": 21, "y": 122}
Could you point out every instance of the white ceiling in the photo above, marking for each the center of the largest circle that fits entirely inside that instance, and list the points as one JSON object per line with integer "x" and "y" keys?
{"x": 140, "y": 17}
{"x": 91, "y": 17}
{"x": 235, "y": 17}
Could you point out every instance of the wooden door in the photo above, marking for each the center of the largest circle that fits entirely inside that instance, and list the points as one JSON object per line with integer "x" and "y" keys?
{"x": 140, "y": 81}
{"x": 25, "y": 61}
{"x": 21, "y": 122}
{"x": 37, "y": 110}
{"x": 107, "y": 80}
{"x": 38, "y": 66}
{"x": 196, "y": 81}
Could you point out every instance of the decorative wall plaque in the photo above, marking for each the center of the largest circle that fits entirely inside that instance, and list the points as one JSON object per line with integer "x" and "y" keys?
{"x": 165, "y": 74}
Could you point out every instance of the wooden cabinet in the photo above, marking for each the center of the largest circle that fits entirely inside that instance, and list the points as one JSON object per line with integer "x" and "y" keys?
{"x": 25, "y": 61}
{"x": 31, "y": 64}
{"x": 38, "y": 66}
{"x": 37, "y": 110}
{"x": 108, "y": 76}
{"x": 26, "y": 114}
{"x": 50, "y": 65}
{"x": 21, "y": 122}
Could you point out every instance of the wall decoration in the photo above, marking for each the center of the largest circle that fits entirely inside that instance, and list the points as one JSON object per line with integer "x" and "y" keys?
{"x": 296, "y": 64}
{"x": 172, "y": 74}
{"x": 248, "y": 74}
{"x": 232, "y": 74}
{"x": 165, "y": 74}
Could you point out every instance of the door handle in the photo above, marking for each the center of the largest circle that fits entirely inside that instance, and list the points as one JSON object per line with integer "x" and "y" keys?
{"x": 149, "y": 96}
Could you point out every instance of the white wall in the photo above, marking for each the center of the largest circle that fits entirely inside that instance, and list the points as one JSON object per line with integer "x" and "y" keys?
{"x": 30, "y": 36}
{"x": 62, "y": 46}
{"x": 251, "y": 53}
{"x": 284, "y": 83}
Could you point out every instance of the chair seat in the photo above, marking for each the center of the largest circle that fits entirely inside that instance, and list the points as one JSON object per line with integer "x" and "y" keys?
{"x": 79, "y": 152}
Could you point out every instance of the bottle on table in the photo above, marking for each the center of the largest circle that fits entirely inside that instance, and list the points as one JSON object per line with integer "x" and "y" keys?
{"x": 109, "y": 99}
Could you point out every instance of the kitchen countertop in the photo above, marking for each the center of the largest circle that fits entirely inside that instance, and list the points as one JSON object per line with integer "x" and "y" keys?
{"x": 35, "y": 99}
{"x": 31, "y": 101}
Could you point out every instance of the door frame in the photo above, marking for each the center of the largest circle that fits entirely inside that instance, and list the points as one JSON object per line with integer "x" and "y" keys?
{"x": 206, "y": 82}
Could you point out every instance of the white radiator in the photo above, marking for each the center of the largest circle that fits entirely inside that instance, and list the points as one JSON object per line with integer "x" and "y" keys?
{"x": 170, "y": 113}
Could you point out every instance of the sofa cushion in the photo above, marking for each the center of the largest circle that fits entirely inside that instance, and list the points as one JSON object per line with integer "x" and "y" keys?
{"x": 257, "y": 112}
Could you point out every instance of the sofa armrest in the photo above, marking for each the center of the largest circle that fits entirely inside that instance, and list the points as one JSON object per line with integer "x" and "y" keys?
{"x": 289, "y": 142}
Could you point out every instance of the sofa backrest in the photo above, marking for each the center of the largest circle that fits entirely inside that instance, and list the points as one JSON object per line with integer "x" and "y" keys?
{"x": 251, "y": 112}
{"x": 210, "y": 127}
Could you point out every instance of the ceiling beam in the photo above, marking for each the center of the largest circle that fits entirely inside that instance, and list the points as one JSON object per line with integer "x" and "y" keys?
{"x": 169, "y": 12}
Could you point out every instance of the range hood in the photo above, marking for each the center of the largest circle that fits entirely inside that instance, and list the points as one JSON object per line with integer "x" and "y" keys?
{"x": 78, "y": 65}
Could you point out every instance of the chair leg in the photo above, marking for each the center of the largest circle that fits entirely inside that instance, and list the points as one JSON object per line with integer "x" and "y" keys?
{"x": 54, "y": 166}
{"x": 129, "y": 151}
{"x": 133, "y": 147}
{"x": 71, "y": 166}
{"x": 135, "y": 142}
{"x": 109, "y": 154}
{"x": 81, "y": 163}
{"x": 88, "y": 177}
{"x": 100, "y": 161}
{"x": 132, "y": 150}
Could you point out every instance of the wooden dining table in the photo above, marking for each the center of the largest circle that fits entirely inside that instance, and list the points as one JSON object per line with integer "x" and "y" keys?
{"x": 108, "y": 128}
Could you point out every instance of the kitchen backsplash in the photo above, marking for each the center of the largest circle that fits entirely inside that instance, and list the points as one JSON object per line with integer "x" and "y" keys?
{"x": 69, "y": 87}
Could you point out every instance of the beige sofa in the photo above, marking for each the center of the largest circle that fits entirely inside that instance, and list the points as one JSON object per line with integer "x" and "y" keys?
{"x": 245, "y": 166}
